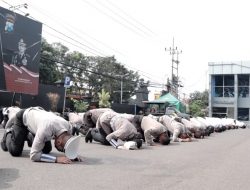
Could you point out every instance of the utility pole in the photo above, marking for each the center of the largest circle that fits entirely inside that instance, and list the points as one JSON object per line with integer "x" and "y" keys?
{"x": 121, "y": 91}
{"x": 175, "y": 66}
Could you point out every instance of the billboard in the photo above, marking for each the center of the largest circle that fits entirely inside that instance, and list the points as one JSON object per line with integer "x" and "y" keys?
{"x": 20, "y": 45}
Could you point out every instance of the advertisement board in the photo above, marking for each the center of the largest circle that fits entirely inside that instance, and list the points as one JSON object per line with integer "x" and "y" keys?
{"x": 20, "y": 46}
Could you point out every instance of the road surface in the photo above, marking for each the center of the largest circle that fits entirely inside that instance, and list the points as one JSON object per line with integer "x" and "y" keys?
{"x": 218, "y": 162}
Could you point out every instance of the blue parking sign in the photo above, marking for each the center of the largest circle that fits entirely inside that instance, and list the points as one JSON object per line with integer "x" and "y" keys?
{"x": 67, "y": 82}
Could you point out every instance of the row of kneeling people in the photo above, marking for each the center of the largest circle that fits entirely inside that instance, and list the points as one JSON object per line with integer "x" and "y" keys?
{"x": 123, "y": 131}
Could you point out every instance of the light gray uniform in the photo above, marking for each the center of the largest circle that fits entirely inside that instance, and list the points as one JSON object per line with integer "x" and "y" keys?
{"x": 45, "y": 125}
{"x": 104, "y": 121}
{"x": 189, "y": 125}
{"x": 152, "y": 129}
{"x": 11, "y": 112}
{"x": 176, "y": 128}
{"x": 96, "y": 113}
{"x": 76, "y": 118}
{"x": 122, "y": 128}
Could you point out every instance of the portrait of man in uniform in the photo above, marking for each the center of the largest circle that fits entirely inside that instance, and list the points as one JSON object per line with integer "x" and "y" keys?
{"x": 21, "y": 58}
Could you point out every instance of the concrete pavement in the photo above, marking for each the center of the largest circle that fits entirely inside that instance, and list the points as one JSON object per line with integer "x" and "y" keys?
{"x": 220, "y": 161}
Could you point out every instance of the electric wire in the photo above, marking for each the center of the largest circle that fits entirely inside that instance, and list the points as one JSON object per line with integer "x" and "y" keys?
{"x": 91, "y": 51}
{"x": 123, "y": 18}
{"x": 80, "y": 43}
{"x": 129, "y": 16}
{"x": 113, "y": 18}
{"x": 69, "y": 28}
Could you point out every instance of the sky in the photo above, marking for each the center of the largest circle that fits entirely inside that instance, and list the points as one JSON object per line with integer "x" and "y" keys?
{"x": 138, "y": 33}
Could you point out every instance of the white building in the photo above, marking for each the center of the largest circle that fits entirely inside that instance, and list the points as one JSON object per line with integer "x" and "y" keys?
{"x": 229, "y": 90}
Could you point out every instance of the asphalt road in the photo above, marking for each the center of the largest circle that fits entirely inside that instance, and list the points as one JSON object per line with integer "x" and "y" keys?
{"x": 218, "y": 162}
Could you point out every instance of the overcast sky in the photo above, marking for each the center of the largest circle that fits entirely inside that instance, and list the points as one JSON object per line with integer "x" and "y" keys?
{"x": 137, "y": 32}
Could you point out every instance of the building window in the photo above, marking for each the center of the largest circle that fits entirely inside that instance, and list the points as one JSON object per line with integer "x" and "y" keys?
{"x": 243, "y": 81}
{"x": 228, "y": 80}
{"x": 218, "y": 80}
{"x": 243, "y": 114}
{"x": 243, "y": 92}
{"x": 228, "y": 91}
{"x": 218, "y": 92}
{"x": 223, "y": 86}
{"x": 220, "y": 112}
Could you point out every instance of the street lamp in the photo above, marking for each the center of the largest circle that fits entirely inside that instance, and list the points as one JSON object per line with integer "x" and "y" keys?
{"x": 16, "y": 7}
{"x": 121, "y": 92}
{"x": 25, "y": 5}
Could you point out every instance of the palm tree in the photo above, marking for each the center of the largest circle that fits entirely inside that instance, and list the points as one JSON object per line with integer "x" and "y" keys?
{"x": 104, "y": 99}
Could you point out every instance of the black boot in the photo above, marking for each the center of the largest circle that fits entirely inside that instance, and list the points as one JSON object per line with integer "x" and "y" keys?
{"x": 138, "y": 143}
{"x": 3, "y": 141}
{"x": 88, "y": 137}
{"x": 30, "y": 139}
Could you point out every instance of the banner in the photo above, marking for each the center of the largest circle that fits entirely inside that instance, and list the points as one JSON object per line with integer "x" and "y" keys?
{"x": 20, "y": 46}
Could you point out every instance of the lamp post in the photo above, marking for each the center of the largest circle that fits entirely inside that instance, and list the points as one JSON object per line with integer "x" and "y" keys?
{"x": 121, "y": 91}
{"x": 17, "y": 7}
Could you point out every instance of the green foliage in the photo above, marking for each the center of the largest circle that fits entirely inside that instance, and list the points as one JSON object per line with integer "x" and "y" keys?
{"x": 106, "y": 67}
{"x": 196, "y": 109}
{"x": 90, "y": 74}
{"x": 104, "y": 99}
{"x": 48, "y": 69}
{"x": 198, "y": 103}
{"x": 80, "y": 106}
{"x": 202, "y": 96}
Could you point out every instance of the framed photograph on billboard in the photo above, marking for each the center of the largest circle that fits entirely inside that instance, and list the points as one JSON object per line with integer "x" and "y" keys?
{"x": 20, "y": 46}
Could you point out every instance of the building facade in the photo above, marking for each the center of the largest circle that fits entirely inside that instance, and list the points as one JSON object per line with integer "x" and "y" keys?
{"x": 229, "y": 90}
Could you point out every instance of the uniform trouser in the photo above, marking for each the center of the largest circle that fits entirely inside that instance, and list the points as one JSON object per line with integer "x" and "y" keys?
{"x": 5, "y": 120}
{"x": 99, "y": 136}
{"x": 16, "y": 138}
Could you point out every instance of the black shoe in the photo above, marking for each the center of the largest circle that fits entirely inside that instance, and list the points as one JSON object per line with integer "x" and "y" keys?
{"x": 3, "y": 146}
{"x": 138, "y": 143}
{"x": 29, "y": 139}
{"x": 3, "y": 141}
{"x": 88, "y": 137}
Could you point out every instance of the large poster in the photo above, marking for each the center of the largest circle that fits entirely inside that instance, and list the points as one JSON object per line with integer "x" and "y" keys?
{"x": 20, "y": 44}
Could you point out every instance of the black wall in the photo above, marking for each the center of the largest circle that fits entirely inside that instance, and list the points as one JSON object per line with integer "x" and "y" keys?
{"x": 8, "y": 98}
{"x": 125, "y": 108}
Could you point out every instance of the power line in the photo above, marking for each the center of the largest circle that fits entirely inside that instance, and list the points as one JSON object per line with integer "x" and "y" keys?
{"x": 69, "y": 27}
{"x": 83, "y": 69}
{"x": 112, "y": 18}
{"x": 136, "y": 21}
{"x": 97, "y": 73}
{"x": 81, "y": 44}
{"x": 145, "y": 75}
{"x": 123, "y": 18}
{"x": 55, "y": 30}
{"x": 64, "y": 40}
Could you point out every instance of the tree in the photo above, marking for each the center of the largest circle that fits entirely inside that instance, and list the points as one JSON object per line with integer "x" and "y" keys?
{"x": 80, "y": 106}
{"x": 198, "y": 103}
{"x": 106, "y": 73}
{"x": 89, "y": 74}
{"x": 76, "y": 65}
{"x": 104, "y": 99}
{"x": 49, "y": 72}
{"x": 203, "y": 96}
